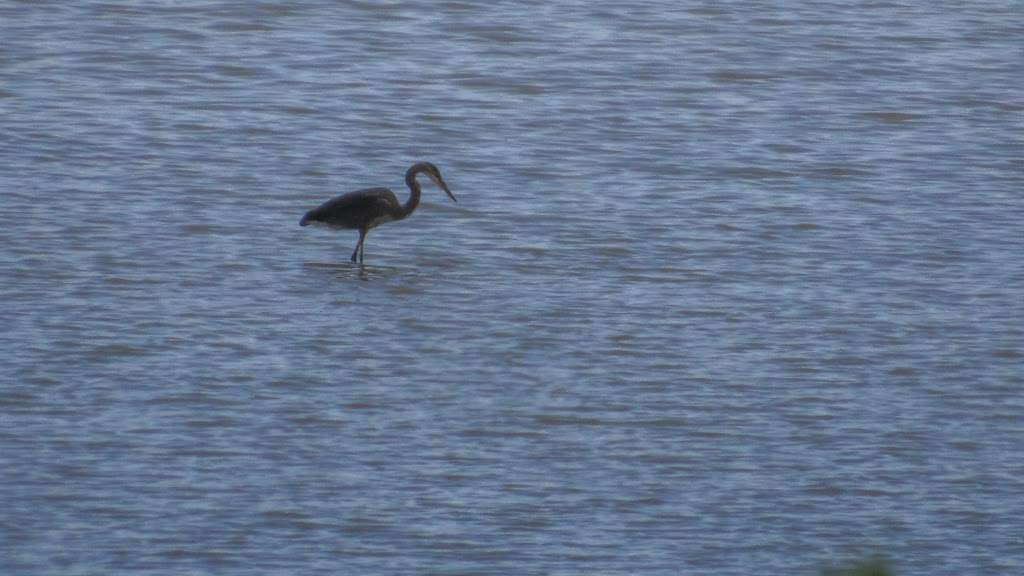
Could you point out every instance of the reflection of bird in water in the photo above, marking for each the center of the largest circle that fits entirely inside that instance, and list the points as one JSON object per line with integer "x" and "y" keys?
{"x": 369, "y": 208}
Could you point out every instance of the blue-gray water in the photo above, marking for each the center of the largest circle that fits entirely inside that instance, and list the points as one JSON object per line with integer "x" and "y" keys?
{"x": 730, "y": 288}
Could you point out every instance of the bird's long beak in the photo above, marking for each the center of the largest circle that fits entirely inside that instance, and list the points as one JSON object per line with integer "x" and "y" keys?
{"x": 440, "y": 182}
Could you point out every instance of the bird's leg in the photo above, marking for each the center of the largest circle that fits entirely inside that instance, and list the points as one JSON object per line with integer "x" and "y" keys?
{"x": 357, "y": 253}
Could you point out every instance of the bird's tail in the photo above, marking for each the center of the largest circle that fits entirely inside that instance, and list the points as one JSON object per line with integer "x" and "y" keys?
{"x": 305, "y": 220}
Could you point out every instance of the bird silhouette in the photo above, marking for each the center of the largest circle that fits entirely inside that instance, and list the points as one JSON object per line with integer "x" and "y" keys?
{"x": 365, "y": 209}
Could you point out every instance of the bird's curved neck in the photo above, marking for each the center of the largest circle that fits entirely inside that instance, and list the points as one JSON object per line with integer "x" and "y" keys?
{"x": 414, "y": 194}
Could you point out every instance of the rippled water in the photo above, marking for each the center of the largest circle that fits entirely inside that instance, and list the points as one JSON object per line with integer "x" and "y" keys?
{"x": 730, "y": 288}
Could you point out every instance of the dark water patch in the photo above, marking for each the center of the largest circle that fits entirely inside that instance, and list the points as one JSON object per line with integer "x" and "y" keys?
{"x": 219, "y": 422}
{"x": 707, "y": 11}
{"x": 805, "y": 226}
{"x": 565, "y": 420}
{"x": 195, "y": 127}
{"x": 837, "y": 172}
{"x": 299, "y": 381}
{"x": 109, "y": 352}
{"x": 787, "y": 148}
{"x": 902, "y": 371}
{"x": 190, "y": 399}
{"x": 893, "y": 117}
{"x": 317, "y": 421}
{"x": 489, "y": 433}
{"x": 237, "y": 26}
{"x": 919, "y": 41}
{"x": 300, "y": 110}
{"x": 462, "y": 6}
{"x": 756, "y": 173}
{"x": 16, "y": 398}
{"x": 772, "y": 22}
{"x": 502, "y": 34}
{"x": 741, "y": 77}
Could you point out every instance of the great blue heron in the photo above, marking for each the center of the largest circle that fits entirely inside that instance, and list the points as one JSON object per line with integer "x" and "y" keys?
{"x": 369, "y": 208}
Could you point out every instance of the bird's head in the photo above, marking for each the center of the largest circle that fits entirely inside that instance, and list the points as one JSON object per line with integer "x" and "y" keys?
{"x": 433, "y": 173}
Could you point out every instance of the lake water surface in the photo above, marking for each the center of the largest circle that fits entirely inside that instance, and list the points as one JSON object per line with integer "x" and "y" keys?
{"x": 730, "y": 288}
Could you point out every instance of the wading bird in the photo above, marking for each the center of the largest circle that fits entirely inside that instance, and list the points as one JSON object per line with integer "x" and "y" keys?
{"x": 369, "y": 208}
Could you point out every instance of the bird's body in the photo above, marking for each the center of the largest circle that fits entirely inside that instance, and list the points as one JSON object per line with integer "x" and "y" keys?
{"x": 366, "y": 209}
